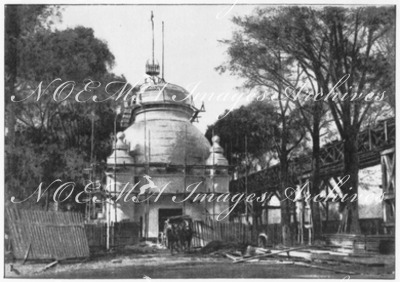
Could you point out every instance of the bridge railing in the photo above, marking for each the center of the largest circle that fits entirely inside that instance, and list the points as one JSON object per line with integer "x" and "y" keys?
{"x": 371, "y": 142}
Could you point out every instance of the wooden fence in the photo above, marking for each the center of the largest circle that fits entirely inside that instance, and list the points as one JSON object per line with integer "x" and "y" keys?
{"x": 121, "y": 234}
{"x": 47, "y": 235}
{"x": 125, "y": 233}
{"x": 96, "y": 235}
{"x": 128, "y": 233}
{"x": 205, "y": 232}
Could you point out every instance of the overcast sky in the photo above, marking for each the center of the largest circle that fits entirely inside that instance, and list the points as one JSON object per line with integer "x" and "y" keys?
{"x": 192, "y": 50}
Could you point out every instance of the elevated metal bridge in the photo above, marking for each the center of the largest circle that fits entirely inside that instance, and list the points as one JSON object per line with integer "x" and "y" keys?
{"x": 375, "y": 146}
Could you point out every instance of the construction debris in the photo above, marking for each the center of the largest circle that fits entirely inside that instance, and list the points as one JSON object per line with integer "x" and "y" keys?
{"x": 364, "y": 260}
{"x": 358, "y": 243}
{"x": 324, "y": 268}
{"x": 12, "y": 269}
{"x": 116, "y": 260}
{"x": 234, "y": 258}
{"x": 307, "y": 256}
{"x": 269, "y": 254}
{"x": 145, "y": 247}
{"x": 251, "y": 251}
{"x": 47, "y": 266}
{"x": 275, "y": 262}
{"x": 222, "y": 247}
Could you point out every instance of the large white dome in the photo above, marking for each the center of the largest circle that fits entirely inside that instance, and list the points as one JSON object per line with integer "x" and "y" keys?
{"x": 162, "y": 131}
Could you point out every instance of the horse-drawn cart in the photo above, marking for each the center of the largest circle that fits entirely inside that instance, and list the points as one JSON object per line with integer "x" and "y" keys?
{"x": 178, "y": 233}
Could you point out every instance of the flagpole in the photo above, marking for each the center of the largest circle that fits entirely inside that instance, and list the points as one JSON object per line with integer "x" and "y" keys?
{"x": 162, "y": 72}
{"x": 152, "y": 30}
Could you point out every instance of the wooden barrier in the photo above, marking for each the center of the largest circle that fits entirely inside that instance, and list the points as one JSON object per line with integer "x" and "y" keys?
{"x": 205, "y": 232}
{"x": 47, "y": 235}
{"x": 128, "y": 233}
{"x": 125, "y": 233}
{"x": 121, "y": 233}
{"x": 96, "y": 235}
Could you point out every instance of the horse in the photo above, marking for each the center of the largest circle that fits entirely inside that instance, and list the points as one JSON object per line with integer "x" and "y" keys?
{"x": 179, "y": 234}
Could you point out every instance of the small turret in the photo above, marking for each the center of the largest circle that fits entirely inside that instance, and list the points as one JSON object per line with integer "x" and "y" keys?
{"x": 216, "y": 153}
{"x": 120, "y": 154}
{"x": 152, "y": 68}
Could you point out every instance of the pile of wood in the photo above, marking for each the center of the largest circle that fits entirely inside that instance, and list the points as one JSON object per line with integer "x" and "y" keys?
{"x": 219, "y": 247}
{"x": 361, "y": 244}
{"x": 307, "y": 256}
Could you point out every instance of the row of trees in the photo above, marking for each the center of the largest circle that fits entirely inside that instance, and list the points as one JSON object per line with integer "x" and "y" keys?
{"x": 304, "y": 57}
{"x": 48, "y": 139}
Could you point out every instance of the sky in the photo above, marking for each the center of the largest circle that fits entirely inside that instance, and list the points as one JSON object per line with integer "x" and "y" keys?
{"x": 192, "y": 50}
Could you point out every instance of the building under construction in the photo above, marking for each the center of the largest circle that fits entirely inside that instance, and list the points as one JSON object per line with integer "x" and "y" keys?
{"x": 161, "y": 149}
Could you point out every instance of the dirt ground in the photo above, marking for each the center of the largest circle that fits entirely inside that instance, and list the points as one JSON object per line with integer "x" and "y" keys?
{"x": 161, "y": 264}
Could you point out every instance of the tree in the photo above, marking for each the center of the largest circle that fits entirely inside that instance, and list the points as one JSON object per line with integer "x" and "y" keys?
{"x": 338, "y": 50}
{"x": 56, "y": 135}
{"x": 339, "y": 47}
{"x": 257, "y": 122}
{"x": 21, "y": 21}
{"x": 71, "y": 55}
{"x": 266, "y": 68}
{"x": 269, "y": 135}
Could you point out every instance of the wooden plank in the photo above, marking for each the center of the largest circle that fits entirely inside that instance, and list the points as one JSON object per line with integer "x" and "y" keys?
{"x": 376, "y": 260}
{"x": 271, "y": 254}
{"x": 365, "y": 260}
{"x": 325, "y": 268}
{"x": 27, "y": 253}
{"x": 51, "y": 243}
{"x": 47, "y": 266}
{"x": 74, "y": 244}
{"x": 294, "y": 254}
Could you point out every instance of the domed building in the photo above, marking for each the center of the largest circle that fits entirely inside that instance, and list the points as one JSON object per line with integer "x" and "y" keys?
{"x": 161, "y": 157}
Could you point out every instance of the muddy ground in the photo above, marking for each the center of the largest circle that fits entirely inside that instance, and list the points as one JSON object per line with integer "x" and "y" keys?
{"x": 161, "y": 264}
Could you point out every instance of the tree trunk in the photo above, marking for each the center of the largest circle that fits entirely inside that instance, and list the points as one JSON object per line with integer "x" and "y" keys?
{"x": 349, "y": 208}
{"x": 315, "y": 183}
{"x": 285, "y": 204}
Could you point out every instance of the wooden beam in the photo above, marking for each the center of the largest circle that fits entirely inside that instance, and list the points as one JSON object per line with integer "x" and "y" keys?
{"x": 270, "y": 254}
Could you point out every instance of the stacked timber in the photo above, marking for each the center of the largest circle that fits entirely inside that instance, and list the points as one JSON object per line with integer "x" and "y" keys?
{"x": 357, "y": 243}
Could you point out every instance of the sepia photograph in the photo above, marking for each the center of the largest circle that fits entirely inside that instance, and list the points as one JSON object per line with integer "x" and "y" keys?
{"x": 230, "y": 140}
